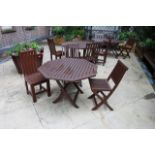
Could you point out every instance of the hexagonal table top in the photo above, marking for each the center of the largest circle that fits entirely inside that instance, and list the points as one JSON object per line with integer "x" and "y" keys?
{"x": 68, "y": 69}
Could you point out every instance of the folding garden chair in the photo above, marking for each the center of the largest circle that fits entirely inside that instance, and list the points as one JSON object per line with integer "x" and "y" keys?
{"x": 91, "y": 52}
{"x": 100, "y": 86}
{"x": 126, "y": 49}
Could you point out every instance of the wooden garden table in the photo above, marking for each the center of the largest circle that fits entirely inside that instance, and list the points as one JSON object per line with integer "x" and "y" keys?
{"x": 68, "y": 71}
{"x": 77, "y": 44}
{"x": 71, "y": 47}
{"x": 113, "y": 45}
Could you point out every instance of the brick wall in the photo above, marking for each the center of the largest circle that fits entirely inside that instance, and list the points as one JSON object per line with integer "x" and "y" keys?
{"x": 21, "y": 35}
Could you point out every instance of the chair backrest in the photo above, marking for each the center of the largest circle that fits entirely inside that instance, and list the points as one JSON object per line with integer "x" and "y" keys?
{"x": 130, "y": 43}
{"x": 40, "y": 57}
{"x": 71, "y": 51}
{"x": 117, "y": 73}
{"x": 103, "y": 45}
{"x": 91, "y": 49}
{"x": 29, "y": 62}
{"x": 51, "y": 45}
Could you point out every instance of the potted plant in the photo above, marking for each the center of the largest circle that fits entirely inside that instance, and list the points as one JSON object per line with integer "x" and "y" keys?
{"x": 67, "y": 33}
{"x": 14, "y": 53}
{"x": 58, "y": 32}
{"x": 147, "y": 45}
{"x": 74, "y": 33}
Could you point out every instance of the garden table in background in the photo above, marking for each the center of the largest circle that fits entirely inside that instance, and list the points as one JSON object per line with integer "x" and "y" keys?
{"x": 71, "y": 47}
{"x": 113, "y": 45}
{"x": 68, "y": 71}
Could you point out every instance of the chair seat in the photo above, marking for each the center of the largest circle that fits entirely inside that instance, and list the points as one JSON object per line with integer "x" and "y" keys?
{"x": 35, "y": 78}
{"x": 59, "y": 53}
{"x": 102, "y": 53}
{"x": 99, "y": 85}
{"x": 128, "y": 46}
{"x": 91, "y": 59}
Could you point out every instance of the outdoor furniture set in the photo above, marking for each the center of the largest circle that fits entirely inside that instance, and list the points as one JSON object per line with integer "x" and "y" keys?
{"x": 69, "y": 69}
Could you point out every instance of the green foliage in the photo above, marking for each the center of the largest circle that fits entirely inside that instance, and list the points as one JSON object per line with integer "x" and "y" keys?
{"x": 68, "y": 37}
{"x": 58, "y": 31}
{"x": 8, "y": 31}
{"x": 23, "y": 47}
{"x": 144, "y": 34}
{"x": 35, "y": 46}
{"x": 125, "y": 35}
{"x": 150, "y": 43}
{"x": 69, "y": 32}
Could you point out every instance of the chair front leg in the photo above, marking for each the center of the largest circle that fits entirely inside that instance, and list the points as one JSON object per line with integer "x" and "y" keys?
{"x": 33, "y": 93}
{"x": 91, "y": 96}
{"x": 40, "y": 87}
{"x": 26, "y": 85}
{"x": 95, "y": 102}
{"x": 103, "y": 101}
{"x": 128, "y": 51}
{"x": 48, "y": 88}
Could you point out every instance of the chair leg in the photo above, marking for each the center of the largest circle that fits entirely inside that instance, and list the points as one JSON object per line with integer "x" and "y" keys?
{"x": 96, "y": 105}
{"x": 103, "y": 101}
{"x": 106, "y": 103}
{"x": 104, "y": 59}
{"x": 33, "y": 93}
{"x": 128, "y": 53}
{"x": 91, "y": 96}
{"x": 40, "y": 87}
{"x": 48, "y": 88}
{"x": 27, "y": 90}
{"x": 51, "y": 57}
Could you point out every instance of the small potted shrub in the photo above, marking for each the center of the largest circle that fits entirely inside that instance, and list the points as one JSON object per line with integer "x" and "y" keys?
{"x": 14, "y": 53}
{"x": 58, "y": 32}
{"x": 67, "y": 33}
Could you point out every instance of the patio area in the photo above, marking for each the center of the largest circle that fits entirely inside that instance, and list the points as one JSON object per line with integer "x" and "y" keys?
{"x": 133, "y": 101}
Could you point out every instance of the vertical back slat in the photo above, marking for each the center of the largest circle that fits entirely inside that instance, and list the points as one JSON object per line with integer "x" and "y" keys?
{"x": 29, "y": 62}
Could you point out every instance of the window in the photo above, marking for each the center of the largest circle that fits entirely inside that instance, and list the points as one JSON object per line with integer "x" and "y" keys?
{"x": 29, "y": 28}
{"x": 7, "y": 29}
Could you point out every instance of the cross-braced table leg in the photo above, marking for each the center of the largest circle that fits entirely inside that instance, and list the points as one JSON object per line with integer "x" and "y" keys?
{"x": 64, "y": 92}
{"x": 124, "y": 52}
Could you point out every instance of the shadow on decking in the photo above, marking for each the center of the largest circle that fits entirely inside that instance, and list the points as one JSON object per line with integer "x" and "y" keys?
{"x": 149, "y": 96}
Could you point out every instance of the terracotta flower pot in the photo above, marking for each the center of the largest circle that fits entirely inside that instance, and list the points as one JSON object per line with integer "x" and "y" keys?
{"x": 58, "y": 40}
{"x": 16, "y": 61}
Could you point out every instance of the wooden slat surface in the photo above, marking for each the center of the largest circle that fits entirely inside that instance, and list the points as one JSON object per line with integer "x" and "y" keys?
{"x": 76, "y": 44}
{"x": 68, "y": 69}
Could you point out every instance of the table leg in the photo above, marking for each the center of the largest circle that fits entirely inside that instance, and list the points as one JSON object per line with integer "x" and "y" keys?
{"x": 64, "y": 93}
{"x": 77, "y": 87}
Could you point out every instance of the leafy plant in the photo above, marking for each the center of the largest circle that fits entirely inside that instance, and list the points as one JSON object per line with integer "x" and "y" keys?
{"x": 149, "y": 43}
{"x": 58, "y": 31}
{"x": 35, "y": 46}
{"x": 68, "y": 37}
{"x": 145, "y": 32}
{"x": 126, "y": 35}
{"x": 69, "y": 32}
{"x": 20, "y": 47}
